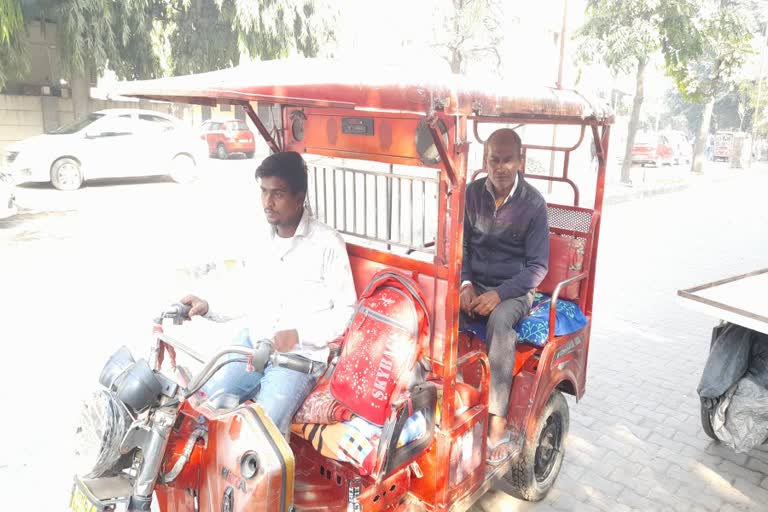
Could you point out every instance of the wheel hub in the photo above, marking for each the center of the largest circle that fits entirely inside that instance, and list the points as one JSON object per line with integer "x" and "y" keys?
{"x": 67, "y": 174}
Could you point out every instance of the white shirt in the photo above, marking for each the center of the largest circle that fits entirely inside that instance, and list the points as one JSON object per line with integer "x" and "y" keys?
{"x": 303, "y": 283}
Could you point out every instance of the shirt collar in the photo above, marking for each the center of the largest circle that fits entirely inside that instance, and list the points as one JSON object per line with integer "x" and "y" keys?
{"x": 489, "y": 187}
{"x": 302, "y": 230}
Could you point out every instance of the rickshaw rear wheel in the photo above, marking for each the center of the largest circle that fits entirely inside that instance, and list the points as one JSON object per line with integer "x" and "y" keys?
{"x": 535, "y": 470}
{"x": 706, "y": 422}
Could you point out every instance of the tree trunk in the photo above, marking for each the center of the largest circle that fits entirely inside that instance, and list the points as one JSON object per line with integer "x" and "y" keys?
{"x": 701, "y": 137}
{"x": 81, "y": 94}
{"x": 456, "y": 61}
{"x": 634, "y": 120}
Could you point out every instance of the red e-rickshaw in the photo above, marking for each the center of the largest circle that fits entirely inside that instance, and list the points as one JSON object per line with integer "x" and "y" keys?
{"x": 394, "y": 149}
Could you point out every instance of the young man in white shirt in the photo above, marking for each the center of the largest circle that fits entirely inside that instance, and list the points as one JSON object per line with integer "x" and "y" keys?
{"x": 300, "y": 283}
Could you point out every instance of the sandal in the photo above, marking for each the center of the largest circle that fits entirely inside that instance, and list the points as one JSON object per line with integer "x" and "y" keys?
{"x": 508, "y": 443}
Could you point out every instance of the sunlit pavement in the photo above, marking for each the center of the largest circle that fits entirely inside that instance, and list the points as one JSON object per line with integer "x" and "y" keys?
{"x": 84, "y": 272}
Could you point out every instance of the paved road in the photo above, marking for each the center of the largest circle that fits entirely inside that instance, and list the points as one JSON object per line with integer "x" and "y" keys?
{"x": 84, "y": 271}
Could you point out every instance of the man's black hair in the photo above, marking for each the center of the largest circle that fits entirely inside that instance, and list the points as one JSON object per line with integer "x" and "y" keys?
{"x": 516, "y": 141}
{"x": 288, "y": 165}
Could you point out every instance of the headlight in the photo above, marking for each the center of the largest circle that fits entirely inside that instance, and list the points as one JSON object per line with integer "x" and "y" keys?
{"x": 133, "y": 382}
{"x": 104, "y": 422}
{"x": 10, "y": 156}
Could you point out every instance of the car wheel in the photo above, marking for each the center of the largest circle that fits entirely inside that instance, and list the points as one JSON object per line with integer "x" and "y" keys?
{"x": 66, "y": 174}
{"x": 249, "y": 154}
{"x": 183, "y": 169}
{"x": 534, "y": 472}
{"x": 221, "y": 152}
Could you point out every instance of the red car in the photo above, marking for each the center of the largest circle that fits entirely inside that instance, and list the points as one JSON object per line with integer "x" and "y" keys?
{"x": 228, "y": 136}
{"x": 653, "y": 149}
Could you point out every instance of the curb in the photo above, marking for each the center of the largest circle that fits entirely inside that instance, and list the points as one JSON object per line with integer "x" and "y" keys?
{"x": 641, "y": 193}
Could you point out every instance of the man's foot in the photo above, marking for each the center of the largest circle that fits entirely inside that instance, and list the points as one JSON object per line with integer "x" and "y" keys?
{"x": 502, "y": 450}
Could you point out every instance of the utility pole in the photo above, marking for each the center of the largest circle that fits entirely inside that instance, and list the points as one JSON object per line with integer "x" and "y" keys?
{"x": 559, "y": 86}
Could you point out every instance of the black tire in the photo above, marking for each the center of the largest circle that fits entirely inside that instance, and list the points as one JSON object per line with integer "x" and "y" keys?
{"x": 249, "y": 154}
{"x": 535, "y": 471}
{"x": 183, "y": 169}
{"x": 66, "y": 174}
{"x": 221, "y": 152}
{"x": 706, "y": 422}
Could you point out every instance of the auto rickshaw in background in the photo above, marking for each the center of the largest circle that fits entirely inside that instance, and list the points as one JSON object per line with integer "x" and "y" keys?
{"x": 395, "y": 146}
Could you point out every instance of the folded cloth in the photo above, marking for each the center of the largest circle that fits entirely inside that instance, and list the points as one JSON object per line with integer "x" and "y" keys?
{"x": 356, "y": 441}
{"x": 534, "y": 328}
{"x": 342, "y": 442}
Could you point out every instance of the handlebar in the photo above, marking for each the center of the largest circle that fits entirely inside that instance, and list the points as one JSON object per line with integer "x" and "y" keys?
{"x": 177, "y": 312}
{"x": 257, "y": 359}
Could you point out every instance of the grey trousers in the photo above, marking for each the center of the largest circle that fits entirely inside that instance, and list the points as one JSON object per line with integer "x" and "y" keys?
{"x": 500, "y": 342}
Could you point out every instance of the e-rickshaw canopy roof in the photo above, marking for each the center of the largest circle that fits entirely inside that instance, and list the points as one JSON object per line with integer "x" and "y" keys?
{"x": 335, "y": 84}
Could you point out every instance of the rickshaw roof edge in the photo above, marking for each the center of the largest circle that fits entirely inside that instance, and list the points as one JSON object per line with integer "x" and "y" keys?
{"x": 336, "y": 84}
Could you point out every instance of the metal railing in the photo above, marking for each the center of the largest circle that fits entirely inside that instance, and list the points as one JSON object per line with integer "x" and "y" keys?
{"x": 382, "y": 207}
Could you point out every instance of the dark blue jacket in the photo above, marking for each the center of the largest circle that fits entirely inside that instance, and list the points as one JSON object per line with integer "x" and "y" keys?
{"x": 506, "y": 250}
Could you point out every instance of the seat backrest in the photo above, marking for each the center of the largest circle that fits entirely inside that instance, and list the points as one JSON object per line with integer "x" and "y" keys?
{"x": 570, "y": 244}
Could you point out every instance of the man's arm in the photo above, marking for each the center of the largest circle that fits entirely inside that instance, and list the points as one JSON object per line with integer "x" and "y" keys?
{"x": 466, "y": 258}
{"x": 231, "y": 308}
{"x": 536, "y": 258}
{"x": 318, "y": 329}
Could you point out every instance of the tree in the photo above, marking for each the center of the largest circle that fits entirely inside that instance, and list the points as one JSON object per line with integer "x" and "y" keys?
{"x": 212, "y": 34}
{"x": 625, "y": 36}
{"x": 12, "y": 58}
{"x": 706, "y": 53}
{"x": 135, "y": 38}
{"x": 469, "y": 30}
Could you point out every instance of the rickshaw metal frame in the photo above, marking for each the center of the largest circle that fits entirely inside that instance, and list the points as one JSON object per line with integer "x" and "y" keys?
{"x": 449, "y": 240}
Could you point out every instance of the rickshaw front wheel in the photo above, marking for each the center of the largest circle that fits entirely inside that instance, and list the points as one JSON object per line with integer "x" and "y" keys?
{"x": 535, "y": 471}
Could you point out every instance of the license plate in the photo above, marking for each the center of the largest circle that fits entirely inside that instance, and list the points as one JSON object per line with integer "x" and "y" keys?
{"x": 80, "y": 502}
{"x": 243, "y": 141}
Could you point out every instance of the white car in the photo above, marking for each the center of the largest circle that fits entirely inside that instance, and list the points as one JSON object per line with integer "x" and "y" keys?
{"x": 112, "y": 143}
{"x": 7, "y": 196}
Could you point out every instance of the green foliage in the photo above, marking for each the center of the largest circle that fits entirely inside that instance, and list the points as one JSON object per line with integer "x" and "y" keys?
{"x": 468, "y": 30}
{"x": 211, "y": 34}
{"x": 706, "y": 52}
{"x": 619, "y": 33}
{"x": 85, "y": 34}
{"x": 12, "y": 59}
{"x": 150, "y": 38}
{"x": 11, "y": 19}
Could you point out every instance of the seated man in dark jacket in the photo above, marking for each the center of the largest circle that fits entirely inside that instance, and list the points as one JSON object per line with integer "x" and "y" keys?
{"x": 506, "y": 251}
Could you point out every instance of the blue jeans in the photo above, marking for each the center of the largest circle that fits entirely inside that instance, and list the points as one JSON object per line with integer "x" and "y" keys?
{"x": 279, "y": 391}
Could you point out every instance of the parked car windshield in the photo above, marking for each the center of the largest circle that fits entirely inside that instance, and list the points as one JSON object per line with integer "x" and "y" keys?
{"x": 238, "y": 126}
{"x": 78, "y": 125}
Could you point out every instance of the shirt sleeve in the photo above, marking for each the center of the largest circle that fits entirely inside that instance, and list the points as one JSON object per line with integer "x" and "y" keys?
{"x": 466, "y": 258}
{"x": 318, "y": 329}
{"x": 536, "y": 258}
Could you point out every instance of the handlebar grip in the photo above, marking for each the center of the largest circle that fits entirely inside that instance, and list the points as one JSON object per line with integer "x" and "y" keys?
{"x": 183, "y": 310}
{"x": 295, "y": 363}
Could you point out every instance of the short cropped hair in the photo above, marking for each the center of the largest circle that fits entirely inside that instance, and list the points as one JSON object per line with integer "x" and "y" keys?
{"x": 511, "y": 134}
{"x": 288, "y": 165}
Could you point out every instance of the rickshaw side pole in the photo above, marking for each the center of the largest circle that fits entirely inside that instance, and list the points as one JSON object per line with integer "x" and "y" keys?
{"x": 449, "y": 251}
{"x": 601, "y": 146}
{"x": 260, "y": 126}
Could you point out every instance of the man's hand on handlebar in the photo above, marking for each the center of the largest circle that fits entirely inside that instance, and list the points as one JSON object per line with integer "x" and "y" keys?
{"x": 284, "y": 341}
{"x": 198, "y": 305}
